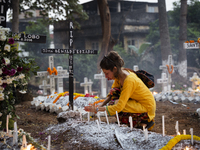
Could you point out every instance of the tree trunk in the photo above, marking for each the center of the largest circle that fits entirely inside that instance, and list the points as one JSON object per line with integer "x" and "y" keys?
{"x": 164, "y": 32}
{"x": 106, "y": 45}
{"x": 15, "y": 19}
{"x": 182, "y": 58}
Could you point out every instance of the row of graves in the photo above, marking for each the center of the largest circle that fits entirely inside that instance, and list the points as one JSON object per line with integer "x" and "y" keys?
{"x": 69, "y": 107}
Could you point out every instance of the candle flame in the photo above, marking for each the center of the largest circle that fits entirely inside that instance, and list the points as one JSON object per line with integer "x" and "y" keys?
{"x": 154, "y": 93}
{"x": 29, "y": 147}
{"x": 186, "y": 148}
{"x": 178, "y": 133}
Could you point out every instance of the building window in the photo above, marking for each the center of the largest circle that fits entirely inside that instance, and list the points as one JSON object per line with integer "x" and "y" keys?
{"x": 131, "y": 46}
{"x": 95, "y": 45}
{"x": 152, "y": 9}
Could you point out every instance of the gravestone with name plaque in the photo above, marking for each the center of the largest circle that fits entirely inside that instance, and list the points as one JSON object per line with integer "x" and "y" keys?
{"x": 71, "y": 52}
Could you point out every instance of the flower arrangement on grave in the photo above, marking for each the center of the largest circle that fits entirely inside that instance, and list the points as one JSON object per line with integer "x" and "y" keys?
{"x": 52, "y": 71}
{"x": 14, "y": 73}
{"x": 177, "y": 139}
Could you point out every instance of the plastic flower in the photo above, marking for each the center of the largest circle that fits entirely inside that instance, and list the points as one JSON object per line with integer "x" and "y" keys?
{"x": 12, "y": 72}
{"x": 7, "y": 47}
{"x": 11, "y": 41}
{"x": 2, "y": 32}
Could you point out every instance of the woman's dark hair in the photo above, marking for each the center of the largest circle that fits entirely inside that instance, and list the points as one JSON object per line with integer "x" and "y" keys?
{"x": 113, "y": 59}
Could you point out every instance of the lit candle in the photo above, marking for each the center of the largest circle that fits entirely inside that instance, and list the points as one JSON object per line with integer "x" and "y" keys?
{"x": 49, "y": 142}
{"x": 131, "y": 122}
{"x": 88, "y": 116}
{"x": 163, "y": 125}
{"x": 146, "y": 134}
{"x": 106, "y": 117}
{"x": 184, "y": 132}
{"x": 117, "y": 118}
{"x": 176, "y": 127}
{"x": 191, "y": 132}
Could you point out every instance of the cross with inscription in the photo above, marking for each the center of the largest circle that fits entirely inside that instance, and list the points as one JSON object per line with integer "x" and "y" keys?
{"x": 70, "y": 51}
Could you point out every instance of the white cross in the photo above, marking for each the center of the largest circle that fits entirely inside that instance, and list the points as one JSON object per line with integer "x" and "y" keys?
{"x": 61, "y": 74}
{"x": 101, "y": 76}
{"x": 44, "y": 86}
{"x": 195, "y": 80}
{"x": 163, "y": 81}
{"x": 135, "y": 68}
{"x": 87, "y": 84}
{"x": 164, "y": 70}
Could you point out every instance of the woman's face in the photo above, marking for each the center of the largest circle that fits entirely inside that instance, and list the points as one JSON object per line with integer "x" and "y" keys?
{"x": 110, "y": 75}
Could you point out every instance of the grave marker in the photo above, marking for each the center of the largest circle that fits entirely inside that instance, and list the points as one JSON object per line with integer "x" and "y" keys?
{"x": 102, "y": 77}
{"x": 61, "y": 74}
{"x": 87, "y": 84}
{"x": 163, "y": 81}
{"x": 135, "y": 68}
{"x": 4, "y": 5}
{"x": 44, "y": 87}
{"x": 70, "y": 51}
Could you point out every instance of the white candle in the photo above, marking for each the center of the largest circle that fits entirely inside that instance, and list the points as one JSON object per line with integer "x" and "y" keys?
{"x": 146, "y": 134}
{"x": 24, "y": 144}
{"x": 163, "y": 125}
{"x": 49, "y": 142}
{"x": 184, "y": 132}
{"x": 88, "y": 116}
{"x": 7, "y": 122}
{"x": 106, "y": 117}
{"x": 15, "y": 134}
{"x": 117, "y": 118}
{"x": 131, "y": 122}
{"x": 98, "y": 115}
{"x": 81, "y": 116}
{"x": 98, "y": 125}
{"x": 176, "y": 127}
{"x": 191, "y": 132}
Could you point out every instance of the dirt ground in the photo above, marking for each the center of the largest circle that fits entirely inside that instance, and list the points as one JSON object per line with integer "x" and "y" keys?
{"x": 35, "y": 122}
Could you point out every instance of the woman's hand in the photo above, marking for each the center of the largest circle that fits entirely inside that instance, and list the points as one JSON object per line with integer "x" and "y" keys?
{"x": 90, "y": 108}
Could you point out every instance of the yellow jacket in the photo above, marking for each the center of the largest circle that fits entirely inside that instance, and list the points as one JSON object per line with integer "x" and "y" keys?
{"x": 135, "y": 97}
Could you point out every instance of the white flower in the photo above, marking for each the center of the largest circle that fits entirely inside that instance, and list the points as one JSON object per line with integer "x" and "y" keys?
{"x": 7, "y": 47}
{"x": 2, "y": 32}
{"x": 1, "y": 96}
{"x": 1, "y": 89}
{"x": 3, "y": 38}
{"x": 1, "y": 82}
{"x": 9, "y": 81}
{"x": 1, "y": 71}
{"x": 6, "y": 29}
{"x": 21, "y": 76}
{"x": 7, "y": 61}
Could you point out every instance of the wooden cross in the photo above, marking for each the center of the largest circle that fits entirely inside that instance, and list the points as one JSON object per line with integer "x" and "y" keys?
{"x": 87, "y": 84}
{"x": 44, "y": 87}
{"x": 70, "y": 51}
{"x": 102, "y": 77}
{"x": 163, "y": 81}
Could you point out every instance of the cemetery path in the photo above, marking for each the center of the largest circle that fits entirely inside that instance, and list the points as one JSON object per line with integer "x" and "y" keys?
{"x": 36, "y": 121}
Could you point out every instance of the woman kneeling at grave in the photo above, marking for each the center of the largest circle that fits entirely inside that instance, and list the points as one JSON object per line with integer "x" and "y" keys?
{"x": 129, "y": 96}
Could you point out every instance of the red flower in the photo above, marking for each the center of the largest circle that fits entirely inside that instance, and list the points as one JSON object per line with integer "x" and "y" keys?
{"x": 11, "y": 41}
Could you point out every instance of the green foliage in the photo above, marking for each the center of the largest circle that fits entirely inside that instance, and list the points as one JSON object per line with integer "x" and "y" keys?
{"x": 14, "y": 73}
{"x": 62, "y": 10}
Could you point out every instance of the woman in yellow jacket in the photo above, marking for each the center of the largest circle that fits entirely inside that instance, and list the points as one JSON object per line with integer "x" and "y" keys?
{"x": 129, "y": 96}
